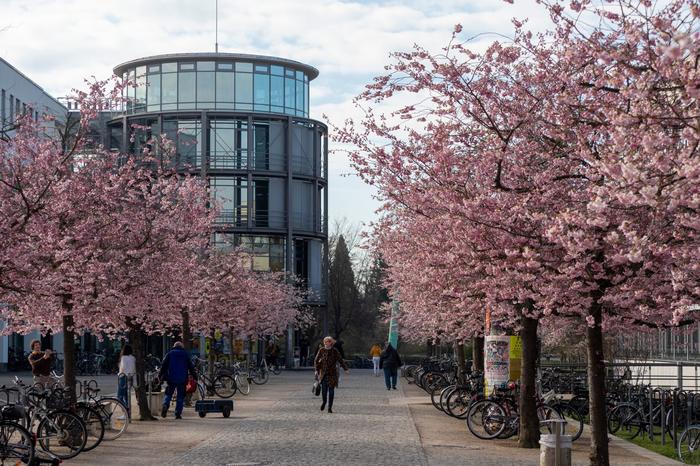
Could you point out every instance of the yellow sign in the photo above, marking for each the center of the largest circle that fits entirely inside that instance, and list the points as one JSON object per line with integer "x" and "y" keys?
{"x": 515, "y": 356}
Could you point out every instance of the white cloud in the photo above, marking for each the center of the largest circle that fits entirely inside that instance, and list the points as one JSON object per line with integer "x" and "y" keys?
{"x": 58, "y": 43}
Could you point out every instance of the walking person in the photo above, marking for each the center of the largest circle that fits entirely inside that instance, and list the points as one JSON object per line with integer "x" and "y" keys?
{"x": 127, "y": 370}
{"x": 176, "y": 366}
{"x": 41, "y": 362}
{"x": 375, "y": 352}
{"x": 390, "y": 361}
{"x": 327, "y": 360}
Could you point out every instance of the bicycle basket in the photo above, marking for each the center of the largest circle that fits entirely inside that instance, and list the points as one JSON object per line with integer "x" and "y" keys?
{"x": 57, "y": 399}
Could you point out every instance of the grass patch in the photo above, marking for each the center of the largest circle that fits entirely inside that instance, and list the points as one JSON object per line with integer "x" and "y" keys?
{"x": 643, "y": 441}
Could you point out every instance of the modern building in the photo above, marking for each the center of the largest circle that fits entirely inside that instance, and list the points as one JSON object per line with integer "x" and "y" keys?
{"x": 242, "y": 121}
{"x": 19, "y": 96}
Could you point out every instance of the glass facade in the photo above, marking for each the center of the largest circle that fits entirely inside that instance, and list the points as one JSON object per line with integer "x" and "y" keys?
{"x": 227, "y": 117}
{"x": 223, "y": 85}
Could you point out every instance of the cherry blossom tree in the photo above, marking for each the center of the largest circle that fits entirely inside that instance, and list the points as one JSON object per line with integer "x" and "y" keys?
{"x": 563, "y": 163}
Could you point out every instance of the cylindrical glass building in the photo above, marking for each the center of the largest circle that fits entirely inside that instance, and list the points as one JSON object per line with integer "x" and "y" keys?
{"x": 242, "y": 122}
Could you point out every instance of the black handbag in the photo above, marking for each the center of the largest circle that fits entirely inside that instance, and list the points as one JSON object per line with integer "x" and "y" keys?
{"x": 316, "y": 390}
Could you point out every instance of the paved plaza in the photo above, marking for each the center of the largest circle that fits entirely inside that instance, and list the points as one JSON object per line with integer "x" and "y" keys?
{"x": 280, "y": 424}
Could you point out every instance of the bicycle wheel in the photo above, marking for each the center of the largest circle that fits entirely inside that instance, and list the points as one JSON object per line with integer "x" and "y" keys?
{"x": 114, "y": 415}
{"x": 486, "y": 419}
{"x": 547, "y": 413}
{"x": 625, "y": 421}
{"x": 689, "y": 445}
{"x": 224, "y": 386}
{"x": 94, "y": 425}
{"x": 62, "y": 434}
{"x": 15, "y": 443}
{"x": 458, "y": 403}
{"x": 276, "y": 369}
{"x": 435, "y": 397}
{"x": 242, "y": 384}
{"x": 261, "y": 376}
{"x": 574, "y": 420}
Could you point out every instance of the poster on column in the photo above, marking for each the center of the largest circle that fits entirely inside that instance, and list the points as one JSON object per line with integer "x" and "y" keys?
{"x": 496, "y": 362}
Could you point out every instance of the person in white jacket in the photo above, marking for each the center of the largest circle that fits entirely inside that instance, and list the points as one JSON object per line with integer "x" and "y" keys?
{"x": 127, "y": 369}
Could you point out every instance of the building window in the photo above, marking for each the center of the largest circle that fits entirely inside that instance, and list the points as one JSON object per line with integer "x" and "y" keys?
{"x": 289, "y": 90}
{"x": 262, "y": 92}
{"x": 2, "y": 109}
{"x": 244, "y": 91}
{"x": 261, "y": 207}
{"x": 225, "y": 90}
{"x": 267, "y": 252}
{"x": 228, "y": 141}
{"x": 169, "y": 90}
{"x": 231, "y": 196}
{"x": 186, "y": 86}
{"x": 153, "y": 91}
{"x": 222, "y": 85}
{"x": 140, "y": 91}
{"x": 205, "y": 84}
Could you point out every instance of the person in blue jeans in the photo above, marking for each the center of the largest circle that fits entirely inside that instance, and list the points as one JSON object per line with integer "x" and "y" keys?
{"x": 127, "y": 370}
{"x": 390, "y": 361}
{"x": 176, "y": 366}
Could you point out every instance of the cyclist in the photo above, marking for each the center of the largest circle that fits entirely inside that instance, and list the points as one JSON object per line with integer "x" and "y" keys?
{"x": 176, "y": 365}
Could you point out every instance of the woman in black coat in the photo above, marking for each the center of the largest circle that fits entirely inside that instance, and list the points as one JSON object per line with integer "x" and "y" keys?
{"x": 390, "y": 361}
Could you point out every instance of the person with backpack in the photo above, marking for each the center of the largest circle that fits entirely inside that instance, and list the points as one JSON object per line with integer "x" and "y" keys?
{"x": 176, "y": 366}
{"x": 390, "y": 361}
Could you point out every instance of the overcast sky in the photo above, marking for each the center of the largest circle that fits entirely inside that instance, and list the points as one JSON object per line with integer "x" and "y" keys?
{"x": 59, "y": 42}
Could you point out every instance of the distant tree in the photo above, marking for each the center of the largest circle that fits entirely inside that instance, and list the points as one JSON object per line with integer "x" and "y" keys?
{"x": 344, "y": 296}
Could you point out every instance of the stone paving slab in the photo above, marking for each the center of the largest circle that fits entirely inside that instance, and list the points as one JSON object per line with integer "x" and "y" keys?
{"x": 280, "y": 424}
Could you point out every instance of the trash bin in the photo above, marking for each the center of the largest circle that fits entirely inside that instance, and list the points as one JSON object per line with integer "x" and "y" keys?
{"x": 155, "y": 402}
{"x": 548, "y": 447}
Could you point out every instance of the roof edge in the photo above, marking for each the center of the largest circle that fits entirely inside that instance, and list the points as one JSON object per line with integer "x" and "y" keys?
{"x": 310, "y": 70}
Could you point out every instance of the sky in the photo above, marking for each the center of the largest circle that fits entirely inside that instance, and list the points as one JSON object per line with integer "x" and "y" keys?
{"x": 58, "y": 43}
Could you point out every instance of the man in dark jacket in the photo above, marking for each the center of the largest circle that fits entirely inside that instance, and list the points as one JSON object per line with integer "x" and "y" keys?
{"x": 176, "y": 366}
{"x": 390, "y": 361}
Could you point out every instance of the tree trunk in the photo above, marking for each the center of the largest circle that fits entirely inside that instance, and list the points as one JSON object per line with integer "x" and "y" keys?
{"x": 232, "y": 339}
{"x": 210, "y": 358}
{"x": 186, "y": 331}
{"x": 529, "y": 423}
{"x": 461, "y": 362}
{"x": 136, "y": 336}
{"x": 478, "y": 353}
{"x": 596, "y": 390}
{"x": 68, "y": 347}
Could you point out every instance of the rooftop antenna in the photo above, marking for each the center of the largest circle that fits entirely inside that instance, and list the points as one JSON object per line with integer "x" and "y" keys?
{"x": 216, "y": 44}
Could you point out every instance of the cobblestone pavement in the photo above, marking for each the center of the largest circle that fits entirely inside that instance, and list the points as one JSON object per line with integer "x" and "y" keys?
{"x": 364, "y": 429}
{"x": 280, "y": 424}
